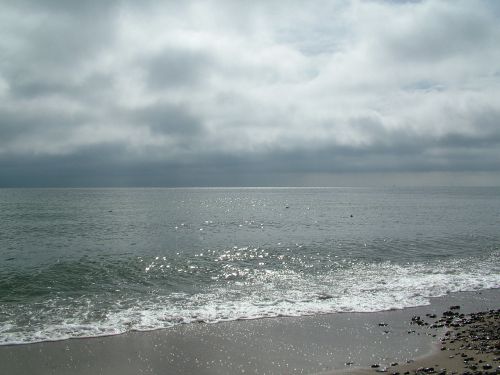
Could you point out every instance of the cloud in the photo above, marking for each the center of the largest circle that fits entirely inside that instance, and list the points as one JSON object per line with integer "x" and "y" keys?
{"x": 226, "y": 93}
{"x": 168, "y": 119}
{"x": 175, "y": 68}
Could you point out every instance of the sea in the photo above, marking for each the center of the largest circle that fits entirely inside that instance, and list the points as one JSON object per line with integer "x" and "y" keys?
{"x": 94, "y": 262}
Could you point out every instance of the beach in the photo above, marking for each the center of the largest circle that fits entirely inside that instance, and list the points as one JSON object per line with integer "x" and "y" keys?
{"x": 329, "y": 344}
{"x": 472, "y": 345}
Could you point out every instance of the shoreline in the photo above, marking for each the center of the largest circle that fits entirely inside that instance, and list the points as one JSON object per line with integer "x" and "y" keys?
{"x": 470, "y": 345}
{"x": 320, "y": 344}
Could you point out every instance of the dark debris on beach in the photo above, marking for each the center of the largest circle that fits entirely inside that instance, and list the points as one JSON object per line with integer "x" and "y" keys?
{"x": 470, "y": 345}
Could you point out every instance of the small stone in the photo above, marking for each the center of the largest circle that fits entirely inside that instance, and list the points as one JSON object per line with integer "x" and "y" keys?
{"x": 324, "y": 296}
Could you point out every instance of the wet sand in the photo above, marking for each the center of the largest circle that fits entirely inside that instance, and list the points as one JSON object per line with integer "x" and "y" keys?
{"x": 333, "y": 343}
{"x": 470, "y": 346}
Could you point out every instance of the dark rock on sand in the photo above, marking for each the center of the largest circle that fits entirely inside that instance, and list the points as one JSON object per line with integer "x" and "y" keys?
{"x": 470, "y": 346}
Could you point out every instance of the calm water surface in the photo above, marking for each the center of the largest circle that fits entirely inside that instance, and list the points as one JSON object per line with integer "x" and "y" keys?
{"x": 88, "y": 262}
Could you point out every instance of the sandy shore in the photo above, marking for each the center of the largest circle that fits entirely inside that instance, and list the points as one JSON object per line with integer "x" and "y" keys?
{"x": 471, "y": 345}
{"x": 334, "y": 343}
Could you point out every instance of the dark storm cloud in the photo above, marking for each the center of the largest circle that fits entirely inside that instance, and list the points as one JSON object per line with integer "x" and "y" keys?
{"x": 49, "y": 38}
{"x": 63, "y": 29}
{"x": 88, "y": 89}
{"x": 442, "y": 33}
{"x": 225, "y": 93}
{"x": 86, "y": 167}
{"x": 455, "y": 141}
{"x": 16, "y": 126}
{"x": 176, "y": 68}
{"x": 168, "y": 119}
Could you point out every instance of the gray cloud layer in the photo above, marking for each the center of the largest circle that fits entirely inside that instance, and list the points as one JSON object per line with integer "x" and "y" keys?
{"x": 249, "y": 93}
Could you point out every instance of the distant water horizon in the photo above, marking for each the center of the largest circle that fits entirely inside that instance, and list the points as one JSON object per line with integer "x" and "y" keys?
{"x": 277, "y": 186}
{"x": 84, "y": 262}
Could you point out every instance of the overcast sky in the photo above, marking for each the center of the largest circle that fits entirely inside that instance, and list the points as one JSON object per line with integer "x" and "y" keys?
{"x": 232, "y": 93}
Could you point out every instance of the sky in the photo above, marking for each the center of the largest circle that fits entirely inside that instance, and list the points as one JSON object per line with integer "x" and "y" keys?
{"x": 249, "y": 93}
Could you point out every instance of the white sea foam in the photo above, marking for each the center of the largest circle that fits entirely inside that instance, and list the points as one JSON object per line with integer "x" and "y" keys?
{"x": 361, "y": 287}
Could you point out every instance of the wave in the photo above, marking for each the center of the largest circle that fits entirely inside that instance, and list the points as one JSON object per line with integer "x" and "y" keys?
{"x": 245, "y": 293}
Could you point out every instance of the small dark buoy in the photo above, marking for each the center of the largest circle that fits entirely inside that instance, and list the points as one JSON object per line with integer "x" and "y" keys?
{"x": 352, "y": 216}
{"x": 287, "y": 206}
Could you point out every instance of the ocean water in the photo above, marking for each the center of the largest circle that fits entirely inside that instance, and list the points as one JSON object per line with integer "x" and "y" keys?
{"x": 90, "y": 262}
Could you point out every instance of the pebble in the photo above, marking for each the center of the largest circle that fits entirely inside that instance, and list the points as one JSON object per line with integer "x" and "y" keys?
{"x": 476, "y": 333}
